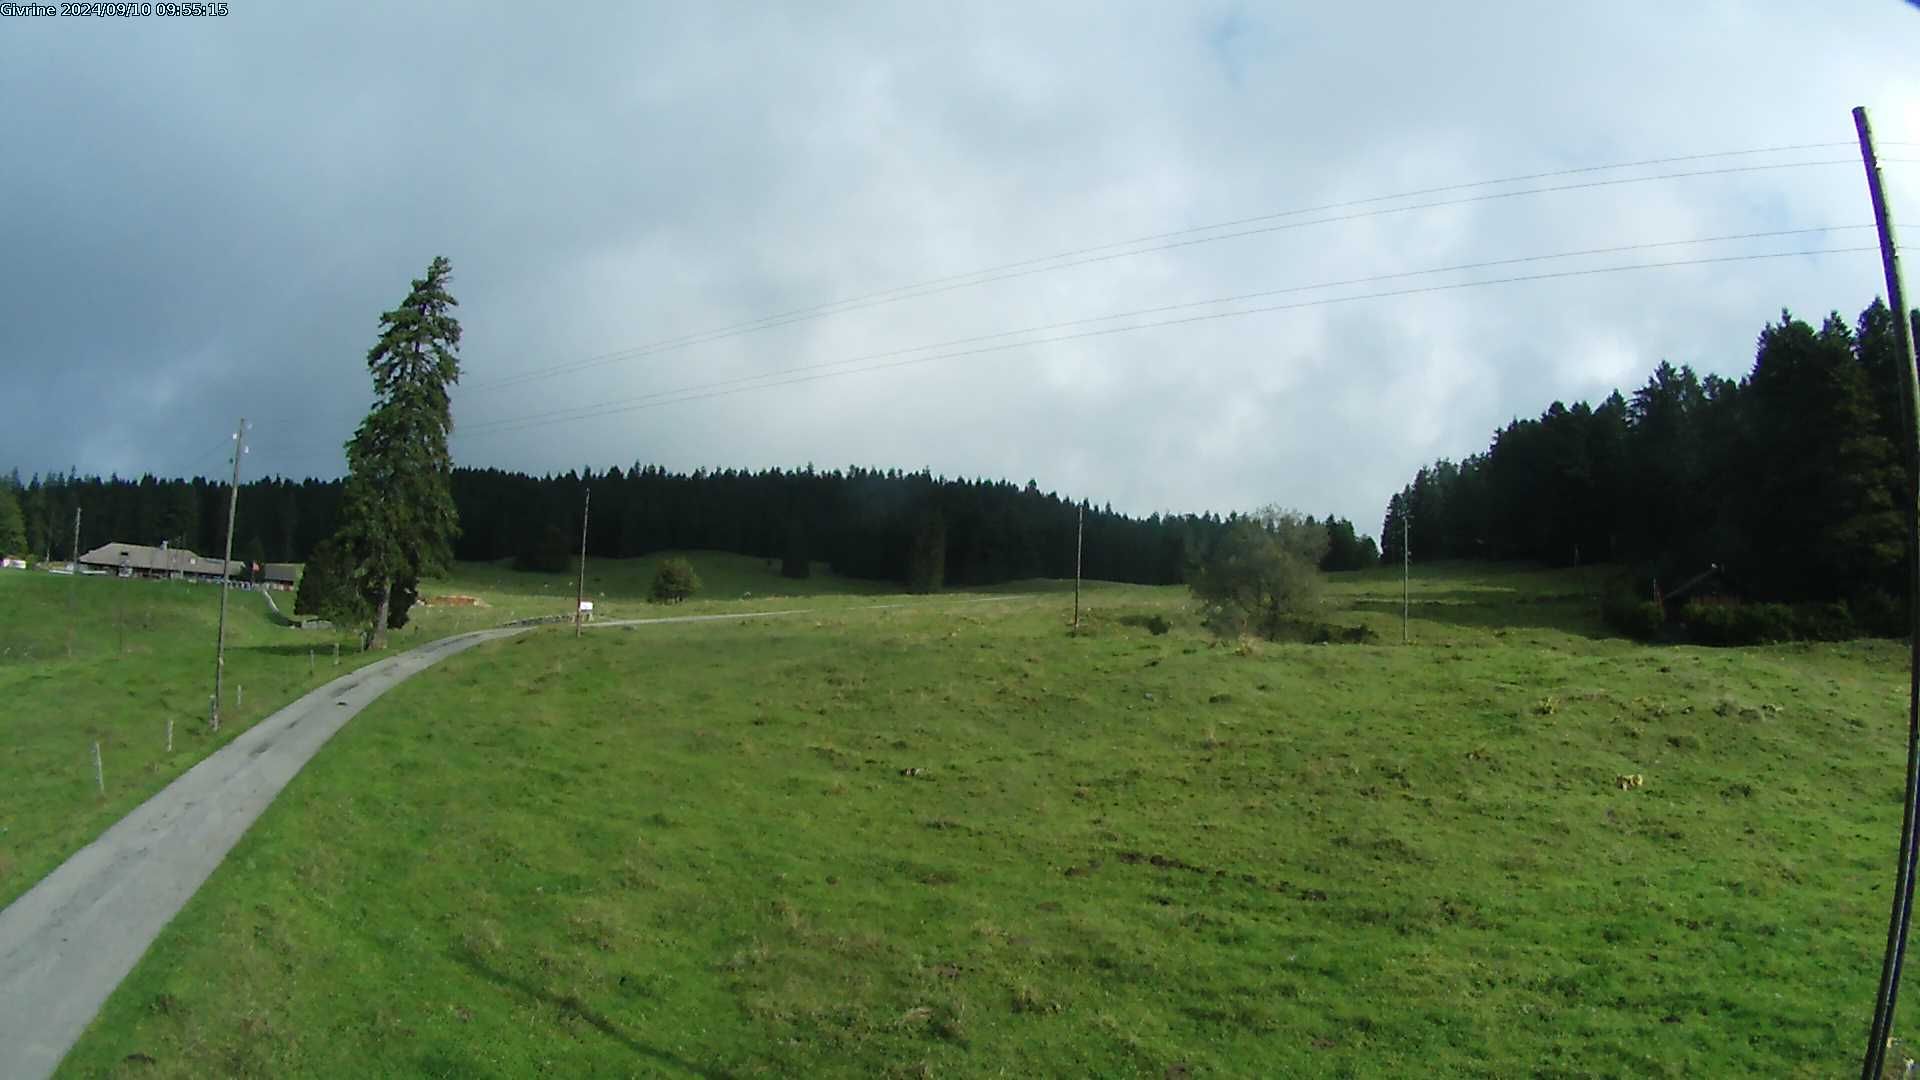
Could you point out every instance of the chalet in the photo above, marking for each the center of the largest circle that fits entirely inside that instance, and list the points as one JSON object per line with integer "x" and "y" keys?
{"x": 279, "y": 575}
{"x": 137, "y": 560}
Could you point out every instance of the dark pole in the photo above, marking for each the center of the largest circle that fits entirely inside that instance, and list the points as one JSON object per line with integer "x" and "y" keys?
{"x": 220, "y": 641}
{"x": 1898, "y": 922}
{"x": 580, "y": 592}
{"x": 73, "y": 587}
{"x": 1079, "y": 544}
{"x": 1406, "y": 577}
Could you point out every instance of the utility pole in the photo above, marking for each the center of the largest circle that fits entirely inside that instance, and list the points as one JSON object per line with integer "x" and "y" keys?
{"x": 580, "y": 592}
{"x": 226, "y": 566}
{"x": 1079, "y": 545}
{"x": 1909, "y": 391}
{"x": 73, "y": 567}
{"x": 1406, "y": 578}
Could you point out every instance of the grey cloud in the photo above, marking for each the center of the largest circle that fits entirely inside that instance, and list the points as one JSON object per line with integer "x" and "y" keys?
{"x": 204, "y": 219}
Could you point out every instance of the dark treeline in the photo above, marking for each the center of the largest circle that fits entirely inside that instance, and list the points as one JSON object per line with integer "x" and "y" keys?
{"x": 914, "y": 528}
{"x": 279, "y": 520}
{"x": 1790, "y": 480}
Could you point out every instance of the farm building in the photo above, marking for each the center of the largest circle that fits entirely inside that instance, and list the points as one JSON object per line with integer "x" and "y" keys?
{"x": 138, "y": 560}
{"x": 279, "y": 575}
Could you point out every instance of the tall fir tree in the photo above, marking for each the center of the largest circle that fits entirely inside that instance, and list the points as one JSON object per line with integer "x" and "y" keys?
{"x": 13, "y": 527}
{"x": 1393, "y": 529}
{"x": 1792, "y": 481}
{"x": 927, "y": 555}
{"x": 397, "y": 515}
{"x": 1821, "y": 510}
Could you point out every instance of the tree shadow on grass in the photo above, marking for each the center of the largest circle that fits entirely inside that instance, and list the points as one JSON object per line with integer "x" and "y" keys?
{"x": 1568, "y": 616}
{"x": 570, "y": 1004}
{"x": 322, "y": 648}
{"x": 1490, "y": 596}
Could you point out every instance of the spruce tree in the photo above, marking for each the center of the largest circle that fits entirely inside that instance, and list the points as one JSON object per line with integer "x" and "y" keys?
{"x": 794, "y": 563}
{"x": 1391, "y": 530}
{"x": 1821, "y": 510}
{"x": 327, "y": 588}
{"x": 13, "y": 529}
{"x": 397, "y": 516}
{"x": 927, "y": 554}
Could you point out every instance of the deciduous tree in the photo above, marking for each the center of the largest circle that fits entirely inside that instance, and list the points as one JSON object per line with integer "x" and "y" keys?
{"x": 1262, "y": 572}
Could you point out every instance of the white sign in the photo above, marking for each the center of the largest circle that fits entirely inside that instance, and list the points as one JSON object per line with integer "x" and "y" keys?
{"x": 586, "y": 605}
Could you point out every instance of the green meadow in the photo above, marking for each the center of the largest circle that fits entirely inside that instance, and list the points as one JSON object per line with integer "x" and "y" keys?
{"x": 960, "y": 840}
{"x": 103, "y": 659}
{"x": 97, "y": 659}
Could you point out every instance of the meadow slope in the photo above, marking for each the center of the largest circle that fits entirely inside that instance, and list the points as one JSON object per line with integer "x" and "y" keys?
{"x": 99, "y": 658}
{"x": 964, "y": 842}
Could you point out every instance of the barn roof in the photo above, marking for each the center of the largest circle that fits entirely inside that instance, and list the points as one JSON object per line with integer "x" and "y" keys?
{"x": 165, "y": 560}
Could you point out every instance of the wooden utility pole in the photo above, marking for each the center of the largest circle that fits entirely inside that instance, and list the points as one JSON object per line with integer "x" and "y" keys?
{"x": 73, "y": 587}
{"x": 226, "y": 566}
{"x": 1406, "y": 578}
{"x": 580, "y": 592}
{"x": 1909, "y": 391}
{"x": 1079, "y": 545}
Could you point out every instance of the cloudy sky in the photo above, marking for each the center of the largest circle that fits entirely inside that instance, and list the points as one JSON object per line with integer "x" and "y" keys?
{"x": 201, "y": 219}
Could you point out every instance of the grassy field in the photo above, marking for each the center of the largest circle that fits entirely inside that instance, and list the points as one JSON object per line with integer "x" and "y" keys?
{"x": 99, "y": 658}
{"x": 94, "y": 658}
{"x": 619, "y": 587}
{"x": 961, "y": 841}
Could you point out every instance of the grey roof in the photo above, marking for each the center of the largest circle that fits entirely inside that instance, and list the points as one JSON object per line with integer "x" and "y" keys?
{"x": 162, "y": 560}
{"x": 281, "y": 571}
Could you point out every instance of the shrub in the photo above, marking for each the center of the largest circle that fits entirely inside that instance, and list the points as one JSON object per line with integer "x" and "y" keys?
{"x": 1727, "y": 621}
{"x": 327, "y": 587}
{"x": 1152, "y": 624}
{"x": 1825, "y": 622}
{"x": 1329, "y": 634}
{"x": 1878, "y": 613}
{"x": 1261, "y": 574}
{"x": 1314, "y": 632}
{"x": 1642, "y": 621}
{"x": 1226, "y": 621}
{"x": 1719, "y": 622}
{"x": 1630, "y": 609}
{"x": 674, "y": 581}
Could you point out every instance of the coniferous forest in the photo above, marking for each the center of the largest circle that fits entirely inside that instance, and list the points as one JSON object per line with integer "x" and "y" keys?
{"x": 914, "y": 528}
{"x": 1787, "y": 484}
{"x": 1790, "y": 481}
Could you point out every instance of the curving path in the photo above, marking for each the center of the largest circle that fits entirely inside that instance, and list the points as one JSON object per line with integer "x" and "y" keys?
{"x": 66, "y": 943}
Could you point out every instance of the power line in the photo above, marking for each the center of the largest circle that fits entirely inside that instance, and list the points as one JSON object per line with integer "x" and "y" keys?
{"x": 1087, "y": 255}
{"x": 225, "y": 442}
{"x": 807, "y": 374}
{"x": 484, "y": 426}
